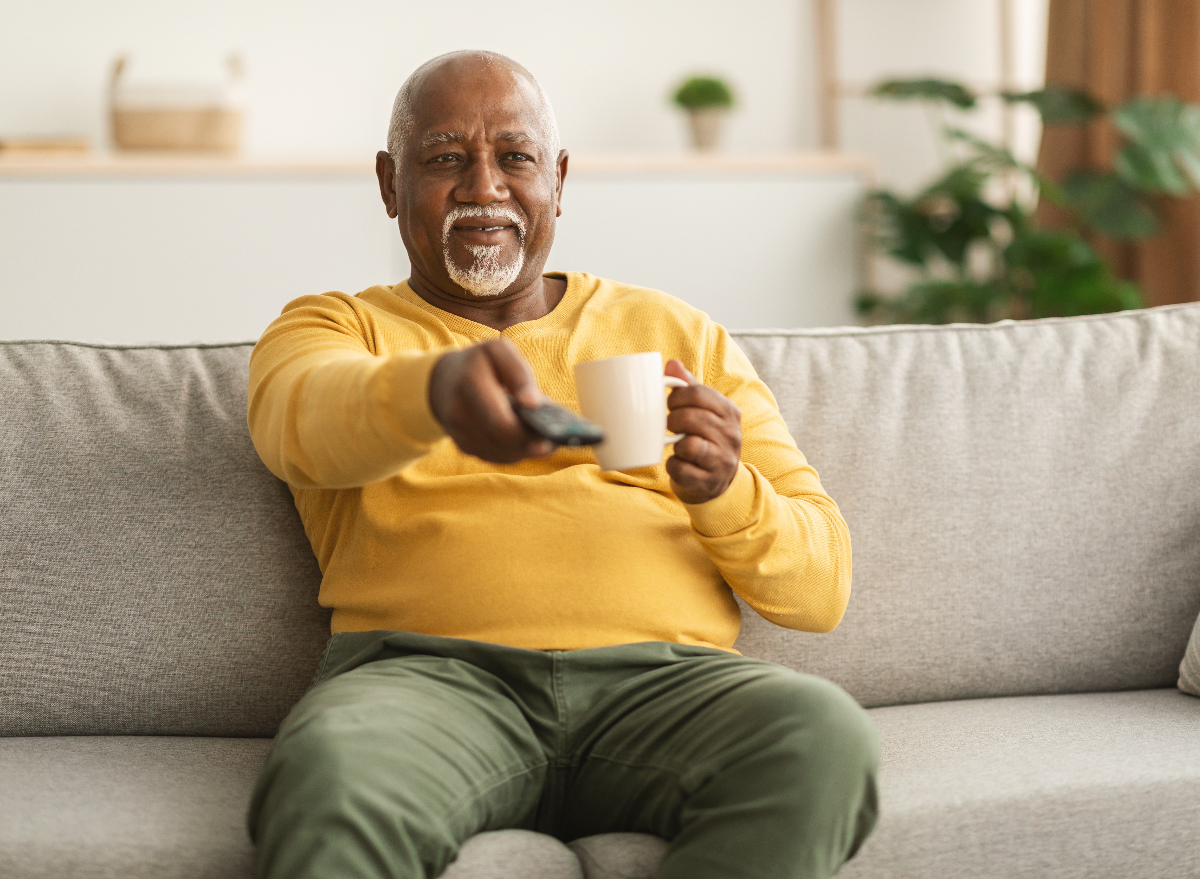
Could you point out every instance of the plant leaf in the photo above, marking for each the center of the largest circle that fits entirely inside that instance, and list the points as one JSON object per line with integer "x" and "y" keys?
{"x": 1163, "y": 153}
{"x": 941, "y": 302}
{"x": 1058, "y": 105}
{"x": 925, "y": 90}
{"x": 993, "y": 156}
{"x": 955, "y": 212}
{"x": 1109, "y": 205}
{"x": 1150, "y": 170}
{"x": 703, "y": 91}
{"x": 897, "y": 227}
{"x": 1057, "y": 273}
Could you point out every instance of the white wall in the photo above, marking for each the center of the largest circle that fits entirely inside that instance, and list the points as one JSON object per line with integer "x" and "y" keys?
{"x": 752, "y": 250}
{"x": 952, "y": 39}
{"x": 320, "y": 80}
{"x": 183, "y": 260}
{"x": 321, "y": 75}
{"x": 211, "y": 258}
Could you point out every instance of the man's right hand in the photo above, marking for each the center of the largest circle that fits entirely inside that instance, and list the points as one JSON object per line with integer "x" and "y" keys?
{"x": 469, "y": 394}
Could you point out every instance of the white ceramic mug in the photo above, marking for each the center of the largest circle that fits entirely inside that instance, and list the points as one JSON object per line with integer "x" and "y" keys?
{"x": 624, "y": 395}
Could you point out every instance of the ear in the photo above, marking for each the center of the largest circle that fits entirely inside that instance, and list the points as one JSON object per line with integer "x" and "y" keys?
{"x": 385, "y": 170}
{"x": 560, "y": 176}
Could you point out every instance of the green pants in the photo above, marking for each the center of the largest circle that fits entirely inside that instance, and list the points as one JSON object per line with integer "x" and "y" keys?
{"x": 406, "y": 745}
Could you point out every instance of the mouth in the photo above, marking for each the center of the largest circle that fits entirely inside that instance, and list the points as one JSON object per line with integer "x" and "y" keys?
{"x": 483, "y": 233}
{"x": 479, "y": 226}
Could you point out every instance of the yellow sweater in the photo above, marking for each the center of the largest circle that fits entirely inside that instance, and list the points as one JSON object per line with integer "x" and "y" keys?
{"x": 412, "y": 534}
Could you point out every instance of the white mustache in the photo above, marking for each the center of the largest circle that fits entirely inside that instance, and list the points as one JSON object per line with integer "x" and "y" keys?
{"x": 497, "y": 212}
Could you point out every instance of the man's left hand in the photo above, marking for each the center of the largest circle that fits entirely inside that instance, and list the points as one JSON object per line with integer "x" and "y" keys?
{"x": 706, "y": 460}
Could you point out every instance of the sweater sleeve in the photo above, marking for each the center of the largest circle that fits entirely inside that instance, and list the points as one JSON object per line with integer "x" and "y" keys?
{"x": 324, "y": 411}
{"x": 777, "y": 538}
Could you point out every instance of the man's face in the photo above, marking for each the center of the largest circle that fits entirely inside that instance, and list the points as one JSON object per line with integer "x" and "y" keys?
{"x": 477, "y": 190}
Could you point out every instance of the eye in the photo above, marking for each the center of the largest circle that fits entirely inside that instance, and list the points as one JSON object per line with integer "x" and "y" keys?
{"x": 444, "y": 159}
{"x": 519, "y": 157}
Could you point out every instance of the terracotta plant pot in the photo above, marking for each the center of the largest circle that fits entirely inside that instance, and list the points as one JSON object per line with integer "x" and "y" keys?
{"x": 706, "y": 125}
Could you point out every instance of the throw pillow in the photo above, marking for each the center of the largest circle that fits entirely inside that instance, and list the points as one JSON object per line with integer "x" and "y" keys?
{"x": 1189, "y": 669}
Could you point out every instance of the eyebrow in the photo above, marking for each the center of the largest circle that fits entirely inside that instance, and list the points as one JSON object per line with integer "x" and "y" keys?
{"x": 443, "y": 137}
{"x": 460, "y": 137}
{"x": 516, "y": 137}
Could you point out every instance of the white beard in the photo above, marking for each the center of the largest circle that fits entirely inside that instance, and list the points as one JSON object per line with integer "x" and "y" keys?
{"x": 486, "y": 276}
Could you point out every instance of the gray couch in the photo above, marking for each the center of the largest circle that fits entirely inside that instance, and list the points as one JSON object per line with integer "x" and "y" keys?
{"x": 1024, "y": 501}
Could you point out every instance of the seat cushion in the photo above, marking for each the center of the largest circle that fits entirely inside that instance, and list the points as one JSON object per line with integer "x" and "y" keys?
{"x": 514, "y": 854}
{"x": 167, "y": 807}
{"x": 1189, "y": 669}
{"x": 620, "y": 855}
{"x": 1089, "y": 786}
{"x": 127, "y": 807}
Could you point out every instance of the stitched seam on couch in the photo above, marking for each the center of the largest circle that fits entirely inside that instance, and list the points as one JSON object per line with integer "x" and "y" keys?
{"x": 893, "y": 329}
{"x": 117, "y": 346}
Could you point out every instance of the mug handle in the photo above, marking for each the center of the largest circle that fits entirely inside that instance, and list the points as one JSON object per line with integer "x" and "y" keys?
{"x": 669, "y": 381}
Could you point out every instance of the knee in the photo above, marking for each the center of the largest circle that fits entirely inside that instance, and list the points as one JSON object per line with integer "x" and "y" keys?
{"x": 312, "y": 769}
{"x": 817, "y": 726}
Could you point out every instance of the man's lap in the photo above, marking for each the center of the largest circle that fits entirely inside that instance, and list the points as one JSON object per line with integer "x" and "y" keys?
{"x": 463, "y": 737}
{"x": 633, "y": 726}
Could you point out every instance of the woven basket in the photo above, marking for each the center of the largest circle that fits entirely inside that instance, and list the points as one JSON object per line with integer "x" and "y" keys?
{"x": 211, "y": 129}
{"x": 196, "y": 119}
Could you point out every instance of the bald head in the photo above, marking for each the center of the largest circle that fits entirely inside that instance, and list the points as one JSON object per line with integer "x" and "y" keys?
{"x": 466, "y": 64}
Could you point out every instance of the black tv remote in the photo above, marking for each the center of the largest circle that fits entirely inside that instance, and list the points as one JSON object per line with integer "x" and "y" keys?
{"x": 559, "y": 425}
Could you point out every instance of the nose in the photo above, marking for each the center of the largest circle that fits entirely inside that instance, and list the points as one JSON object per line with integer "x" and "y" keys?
{"x": 483, "y": 183}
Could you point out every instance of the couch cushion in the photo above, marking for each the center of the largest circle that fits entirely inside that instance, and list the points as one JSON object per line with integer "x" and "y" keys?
{"x": 136, "y": 807}
{"x": 1022, "y": 501}
{"x": 1189, "y": 668}
{"x": 159, "y": 807}
{"x": 514, "y": 854}
{"x": 620, "y": 855}
{"x": 1090, "y": 786}
{"x": 156, "y": 577}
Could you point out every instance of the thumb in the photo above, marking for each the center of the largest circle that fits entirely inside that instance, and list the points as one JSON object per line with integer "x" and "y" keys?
{"x": 675, "y": 369}
{"x": 513, "y": 372}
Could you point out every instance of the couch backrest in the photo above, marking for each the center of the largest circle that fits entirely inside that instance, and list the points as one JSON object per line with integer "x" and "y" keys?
{"x": 155, "y": 577}
{"x": 1023, "y": 501}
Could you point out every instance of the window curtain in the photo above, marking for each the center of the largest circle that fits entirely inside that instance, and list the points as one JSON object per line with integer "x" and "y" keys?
{"x": 1114, "y": 49}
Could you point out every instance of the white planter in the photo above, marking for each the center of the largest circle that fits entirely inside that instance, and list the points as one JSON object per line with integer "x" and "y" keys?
{"x": 706, "y": 126}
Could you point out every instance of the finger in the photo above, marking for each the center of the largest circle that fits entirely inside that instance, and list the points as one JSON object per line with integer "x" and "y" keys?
{"x": 539, "y": 448}
{"x": 676, "y": 369}
{"x": 488, "y": 407}
{"x": 513, "y": 372}
{"x": 701, "y": 452}
{"x": 504, "y": 428}
{"x": 702, "y": 422}
{"x": 704, "y": 397}
{"x": 489, "y": 427}
{"x": 690, "y": 484}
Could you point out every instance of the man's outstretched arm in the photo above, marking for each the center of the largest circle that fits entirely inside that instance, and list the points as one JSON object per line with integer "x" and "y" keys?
{"x": 325, "y": 412}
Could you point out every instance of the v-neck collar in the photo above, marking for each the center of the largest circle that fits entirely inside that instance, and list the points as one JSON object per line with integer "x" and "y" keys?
{"x": 557, "y": 317}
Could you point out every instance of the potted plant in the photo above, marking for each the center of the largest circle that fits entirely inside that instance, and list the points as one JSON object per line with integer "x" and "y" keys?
{"x": 707, "y": 101}
{"x": 970, "y": 242}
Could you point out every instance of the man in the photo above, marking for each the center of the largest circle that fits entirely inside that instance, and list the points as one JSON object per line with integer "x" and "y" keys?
{"x": 521, "y": 639}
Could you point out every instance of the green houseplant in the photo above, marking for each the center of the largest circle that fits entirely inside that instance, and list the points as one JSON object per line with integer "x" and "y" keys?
{"x": 969, "y": 239}
{"x": 707, "y": 100}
